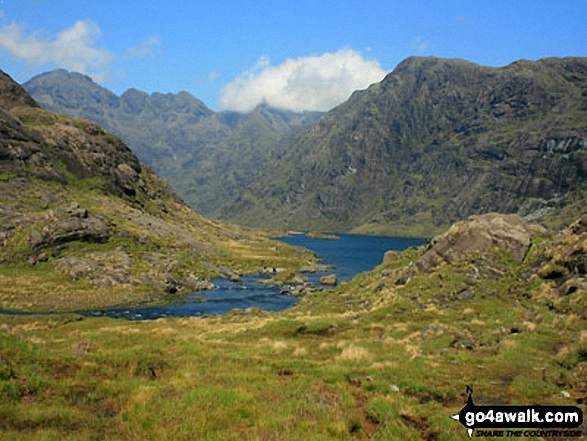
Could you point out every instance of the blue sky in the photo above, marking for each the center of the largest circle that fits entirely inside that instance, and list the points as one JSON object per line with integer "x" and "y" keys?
{"x": 292, "y": 54}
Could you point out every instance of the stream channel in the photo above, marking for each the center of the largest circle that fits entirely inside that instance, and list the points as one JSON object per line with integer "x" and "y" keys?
{"x": 347, "y": 256}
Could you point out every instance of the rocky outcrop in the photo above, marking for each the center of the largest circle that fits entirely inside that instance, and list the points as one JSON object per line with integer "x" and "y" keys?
{"x": 115, "y": 268}
{"x": 478, "y": 234}
{"x": 390, "y": 256}
{"x": 12, "y": 94}
{"x": 78, "y": 226}
{"x": 565, "y": 260}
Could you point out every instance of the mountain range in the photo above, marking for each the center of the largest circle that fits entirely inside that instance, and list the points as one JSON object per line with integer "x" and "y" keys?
{"x": 85, "y": 225}
{"x": 436, "y": 141}
{"x": 208, "y": 157}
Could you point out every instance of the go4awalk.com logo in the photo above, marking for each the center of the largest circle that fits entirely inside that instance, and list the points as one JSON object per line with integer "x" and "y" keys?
{"x": 527, "y": 421}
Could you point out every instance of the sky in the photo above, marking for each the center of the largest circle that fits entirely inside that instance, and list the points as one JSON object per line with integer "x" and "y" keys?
{"x": 297, "y": 55}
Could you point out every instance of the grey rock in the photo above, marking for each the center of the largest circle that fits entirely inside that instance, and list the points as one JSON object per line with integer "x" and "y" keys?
{"x": 466, "y": 295}
{"x": 478, "y": 234}
{"x": 194, "y": 283}
{"x": 74, "y": 228}
{"x": 76, "y": 268}
{"x": 299, "y": 291}
{"x": 43, "y": 257}
{"x": 463, "y": 343}
{"x": 330, "y": 280}
{"x": 299, "y": 280}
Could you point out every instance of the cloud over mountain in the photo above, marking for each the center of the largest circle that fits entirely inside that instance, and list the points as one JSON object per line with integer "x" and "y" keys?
{"x": 306, "y": 83}
{"x": 149, "y": 46}
{"x": 73, "y": 48}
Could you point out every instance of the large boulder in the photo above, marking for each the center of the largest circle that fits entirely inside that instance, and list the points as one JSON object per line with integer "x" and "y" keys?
{"x": 478, "y": 234}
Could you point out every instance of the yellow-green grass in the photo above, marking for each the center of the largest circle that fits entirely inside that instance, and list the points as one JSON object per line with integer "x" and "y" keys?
{"x": 369, "y": 360}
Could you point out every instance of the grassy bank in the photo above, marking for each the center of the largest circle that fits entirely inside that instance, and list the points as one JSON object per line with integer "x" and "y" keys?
{"x": 369, "y": 360}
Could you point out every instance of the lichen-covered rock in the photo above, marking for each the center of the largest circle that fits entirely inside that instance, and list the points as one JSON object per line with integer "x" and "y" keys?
{"x": 390, "y": 256}
{"x": 478, "y": 234}
{"x": 76, "y": 268}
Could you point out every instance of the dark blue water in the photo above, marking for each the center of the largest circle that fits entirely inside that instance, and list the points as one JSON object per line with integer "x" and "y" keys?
{"x": 353, "y": 253}
{"x": 349, "y": 256}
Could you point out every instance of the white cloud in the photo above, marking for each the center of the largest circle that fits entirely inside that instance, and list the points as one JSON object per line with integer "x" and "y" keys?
{"x": 420, "y": 44}
{"x": 307, "y": 83}
{"x": 147, "y": 47}
{"x": 208, "y": 79}
{"x": 73, "y": 48}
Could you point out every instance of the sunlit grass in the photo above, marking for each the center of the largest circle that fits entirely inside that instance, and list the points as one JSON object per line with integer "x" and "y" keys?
{"x": 368, "y": 360}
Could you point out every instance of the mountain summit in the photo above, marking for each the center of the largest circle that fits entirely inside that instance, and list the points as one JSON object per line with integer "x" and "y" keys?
{"x": 208, "y": 157}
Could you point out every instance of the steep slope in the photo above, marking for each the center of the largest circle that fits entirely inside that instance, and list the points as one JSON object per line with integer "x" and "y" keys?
{"x": 212, "y": 176}
{"x": 207, "y": 157}
{"x": 84, "y": 224}
{"x": 437, "y": 140}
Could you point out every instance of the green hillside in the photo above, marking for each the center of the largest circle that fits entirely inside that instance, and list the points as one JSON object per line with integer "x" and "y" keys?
{"x": 84, "y": 224}
{"x": 386, "y": 356}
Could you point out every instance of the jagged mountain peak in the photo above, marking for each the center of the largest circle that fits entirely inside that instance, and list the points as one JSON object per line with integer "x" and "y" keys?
{"x": 419, "y": 63}
{"x": 60, "y": 89}
{"x": 63, "y": 74}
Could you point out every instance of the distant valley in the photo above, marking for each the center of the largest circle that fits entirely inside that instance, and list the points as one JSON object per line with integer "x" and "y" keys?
{"x": 436, "y": 141}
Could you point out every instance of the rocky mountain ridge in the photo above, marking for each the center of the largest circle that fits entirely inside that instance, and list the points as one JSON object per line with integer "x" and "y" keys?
{"x": 208, "y": 157}
{"x": 436, "y": 141}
